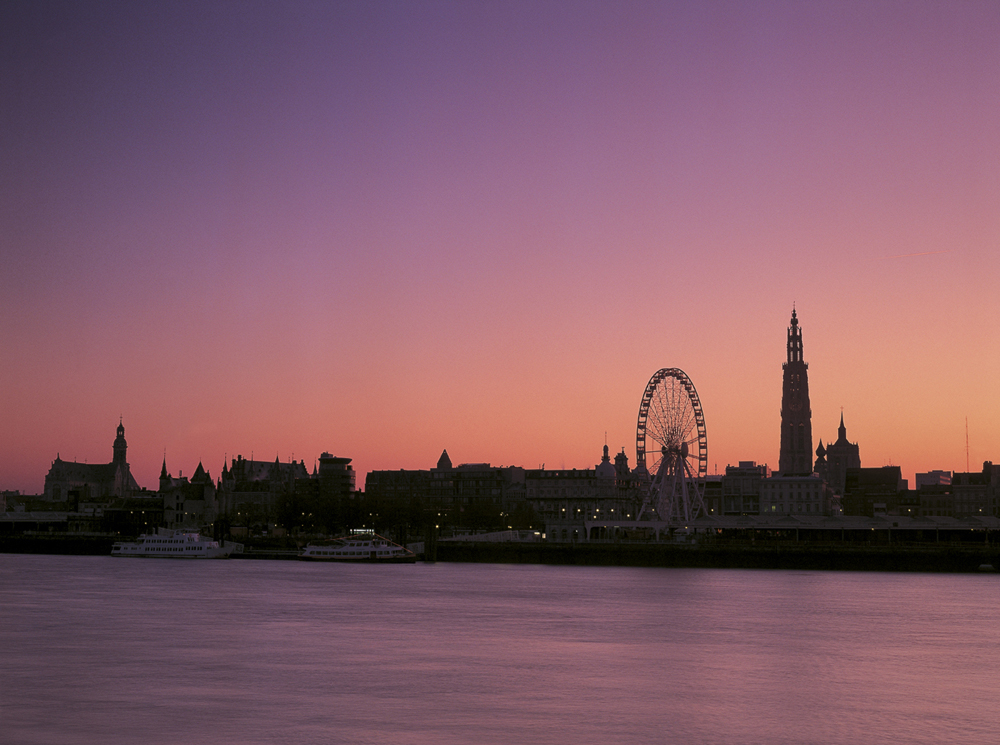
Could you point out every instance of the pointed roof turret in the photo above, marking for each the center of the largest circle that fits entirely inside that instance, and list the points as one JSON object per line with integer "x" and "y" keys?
{"x": 605, "y": 469}
{"x": 794, "y": 339}
{"x": 163, "y": 470}
{"x": 842, "y": 430}
{"x": 199, "y": 473}
{"x": 444, "y": 462}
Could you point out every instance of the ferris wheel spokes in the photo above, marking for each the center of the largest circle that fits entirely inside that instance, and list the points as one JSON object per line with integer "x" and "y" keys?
{"x": 671, "y": 428}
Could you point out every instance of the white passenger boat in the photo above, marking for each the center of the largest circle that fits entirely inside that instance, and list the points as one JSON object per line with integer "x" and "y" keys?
{"x": 360, "y": 548}
{"x": 175, "y": 544}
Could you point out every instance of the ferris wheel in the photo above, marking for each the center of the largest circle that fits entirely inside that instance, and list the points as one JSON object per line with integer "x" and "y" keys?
{"x": 671, "y": 430}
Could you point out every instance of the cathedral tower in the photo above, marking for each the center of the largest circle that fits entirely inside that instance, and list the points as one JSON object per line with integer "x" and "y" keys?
{"x": 120, "y": 447}
{"x": 796, "y": 454}
{"x": 124, "y": 483}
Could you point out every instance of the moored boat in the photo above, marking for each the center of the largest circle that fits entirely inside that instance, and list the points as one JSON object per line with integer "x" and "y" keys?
{"x": 175, "y": 544}
{"x": 367, "y": 547}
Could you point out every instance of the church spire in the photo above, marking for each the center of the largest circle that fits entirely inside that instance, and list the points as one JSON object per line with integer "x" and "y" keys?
{"x": 120, "y": 447}
{"x": 795, "y": 458}
{"x": 164, "y": 473}
{"x": 794, "y": 339}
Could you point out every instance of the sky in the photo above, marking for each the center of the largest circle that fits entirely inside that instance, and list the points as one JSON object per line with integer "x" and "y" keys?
{"x": 385, "y": 229}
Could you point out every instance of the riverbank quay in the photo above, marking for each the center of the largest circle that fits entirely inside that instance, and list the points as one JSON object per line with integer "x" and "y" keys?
{"x": 100, "y": 544}
{"x": 949, "y": 558}
{"x": 61, "y": 544}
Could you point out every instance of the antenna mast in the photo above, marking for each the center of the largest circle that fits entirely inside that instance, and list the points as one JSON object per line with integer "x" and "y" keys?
{"x": 967, "y": 444}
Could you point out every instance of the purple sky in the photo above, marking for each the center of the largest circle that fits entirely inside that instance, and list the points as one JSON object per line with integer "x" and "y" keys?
{"x": 385, "y": 229}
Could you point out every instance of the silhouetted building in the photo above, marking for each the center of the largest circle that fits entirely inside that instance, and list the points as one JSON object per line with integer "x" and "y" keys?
{"x": 874, "y": 491}
{"x": 564, "y": 499}
{"x": 338, "y": 473}
{"x": 471, "y": 496}
{"x": 993, "y": 486}
{"x": 91, "y": 482}
{"x": 250, "y": 490}
{"x": 188, "y": 503}
{"x": 967, "y": 496}
{"x": 327, "y": 501}
{"x": 807, "y": 495}
{"x": 932, "y": 478}
{"x": 935, "y": 500}
{"x": 833, "y": 461}
{"x": 622, "y": 471}
{"x": 711, "y": 486}
{"x": 741, "y": 488}
{"x": 131, "y": 516}
{"x": 795, "y": 458}
{"x": 971, "y": 495}
{"x": 932, "y": 494}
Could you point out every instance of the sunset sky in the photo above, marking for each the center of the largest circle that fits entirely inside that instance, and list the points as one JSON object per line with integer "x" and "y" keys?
{"x": 382, "y": 229}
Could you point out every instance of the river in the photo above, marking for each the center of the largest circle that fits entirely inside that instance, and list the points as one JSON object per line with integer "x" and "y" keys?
{"x": 111, "y": 650}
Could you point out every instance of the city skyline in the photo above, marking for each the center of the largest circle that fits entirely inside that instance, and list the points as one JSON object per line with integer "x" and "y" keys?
{"x": 795, "y": 354}
{"x": 385, "y": 230}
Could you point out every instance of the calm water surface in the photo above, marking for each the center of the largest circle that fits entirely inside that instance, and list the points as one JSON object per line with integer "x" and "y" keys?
{"x": 102, "y": 650}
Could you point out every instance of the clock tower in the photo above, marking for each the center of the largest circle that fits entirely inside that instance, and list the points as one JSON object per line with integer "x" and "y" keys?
{"x": 795, "y": 458}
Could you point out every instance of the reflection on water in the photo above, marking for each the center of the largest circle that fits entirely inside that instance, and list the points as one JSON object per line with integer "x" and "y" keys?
{"x": 96, "y": 649}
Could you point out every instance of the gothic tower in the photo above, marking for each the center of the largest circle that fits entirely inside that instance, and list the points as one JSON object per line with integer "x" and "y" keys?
{"x": 120, "y": 446}
{"x": 840, "y": 456}
{"x": 124, "y": 483}
{"x": 795, "y": 458}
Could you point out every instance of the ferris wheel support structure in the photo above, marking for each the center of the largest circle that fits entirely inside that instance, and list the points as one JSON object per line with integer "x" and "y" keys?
{"x": 671, "y": 431}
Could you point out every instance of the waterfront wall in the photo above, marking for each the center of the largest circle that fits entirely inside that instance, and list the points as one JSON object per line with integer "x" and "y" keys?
{"x": 947, "y": 557}
{"x": 937, "y": 558}
{"x": 67, "y": 544}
